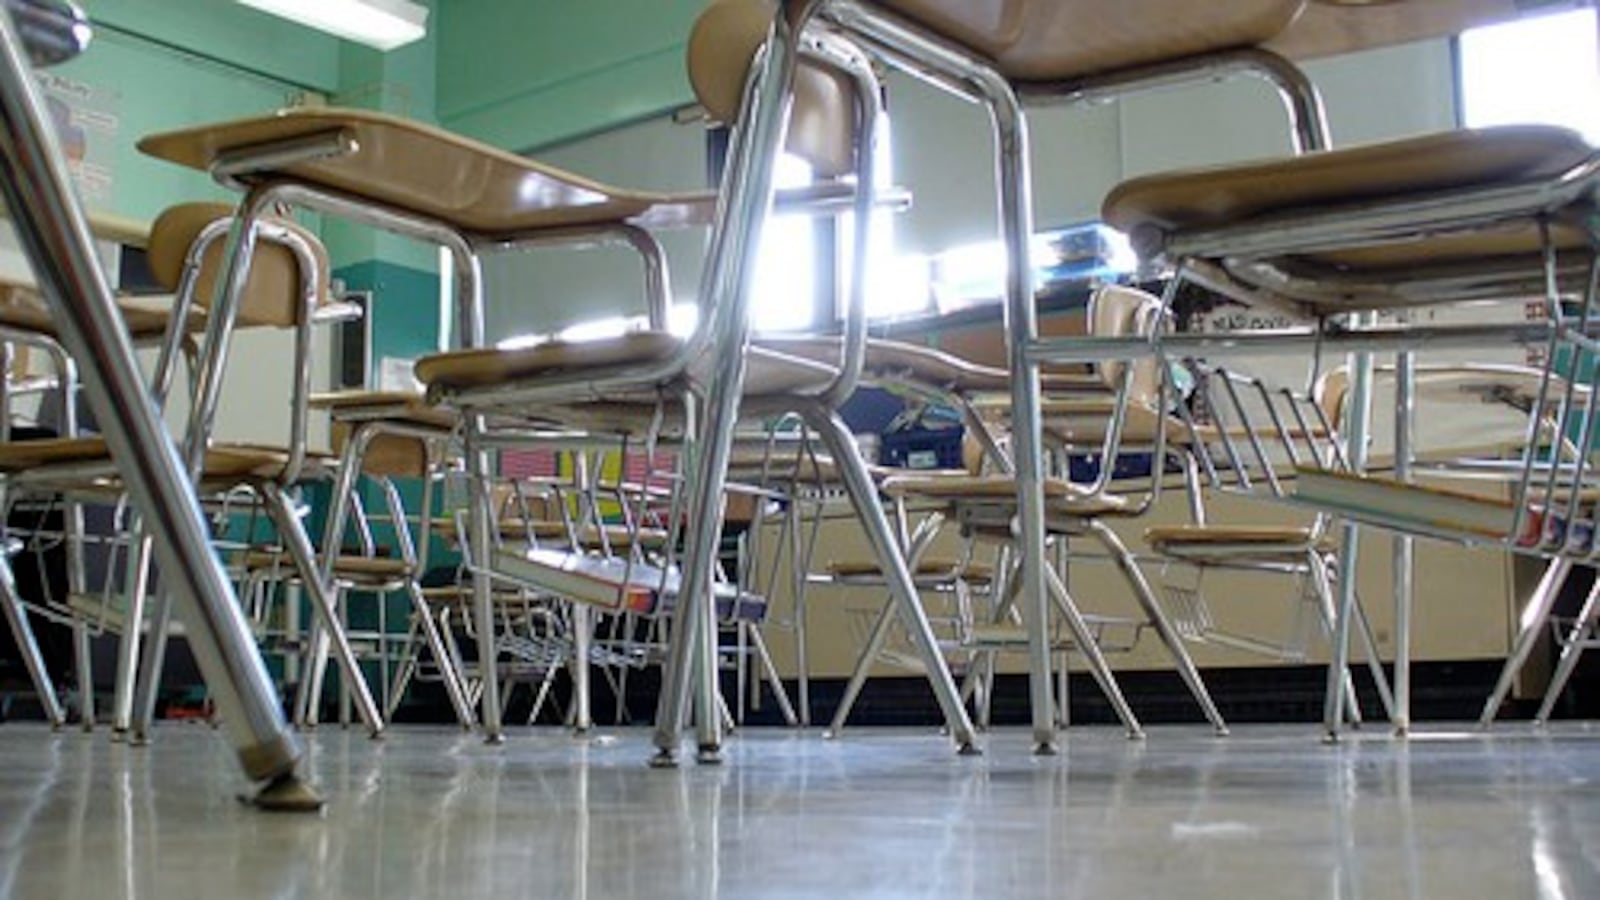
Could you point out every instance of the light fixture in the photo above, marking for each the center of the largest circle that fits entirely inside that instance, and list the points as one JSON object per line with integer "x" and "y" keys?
{"x": 382, "y": 24}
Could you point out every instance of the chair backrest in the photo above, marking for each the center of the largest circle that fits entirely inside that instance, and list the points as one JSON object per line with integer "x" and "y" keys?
{"x": 1330, "y": 392}
{"x": 272, "y": 296}
{"x": 1118, "y": 311}
{"x": 722, "y": 45}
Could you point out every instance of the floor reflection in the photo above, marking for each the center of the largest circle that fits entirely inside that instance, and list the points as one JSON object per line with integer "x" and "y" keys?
{"x": 425, "y": 813}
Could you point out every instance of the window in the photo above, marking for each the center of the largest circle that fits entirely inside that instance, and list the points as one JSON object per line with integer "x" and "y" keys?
{"x": 794, "y": 274}
{"x": 785, "y": 297}
{"x": 1544, "y": 69}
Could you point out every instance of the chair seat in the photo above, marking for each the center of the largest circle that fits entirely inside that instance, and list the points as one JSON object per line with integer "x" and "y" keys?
{"x": 478, "y": 188}
{"x": 254, "y": 462}
{"x": 22, "y": 456}
{"x": 365, "y": 569}
{"x": 897, "y": 360}
{"x": 618, "y": 537}
{"x": 927, "y": 570}
{"x": 1225, "y": 542}
{"x": 23, "y": 309}
{"x": 1061, "y": 497}
{"x": 1226, "y": 195}
{"x": 755, "y": 466}
{"x": 769, "y": 373}
{"x": 402, "y": 406}
{"x": 487, "y": 367}
{"x": 1415, "y": 507}
{"x": 223, "y": 462}
{"x": 1085, "y": 422}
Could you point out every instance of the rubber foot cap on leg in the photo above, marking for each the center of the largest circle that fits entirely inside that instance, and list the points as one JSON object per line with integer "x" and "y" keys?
{"x": 287, "y": 793}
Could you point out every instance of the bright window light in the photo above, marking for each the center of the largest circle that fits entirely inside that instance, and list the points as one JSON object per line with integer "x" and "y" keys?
{"x": 785, "y": 287}
{"x": 1544, "y": 70}
{"x": 598, "y": 329}
{"x": 897, "y": 284}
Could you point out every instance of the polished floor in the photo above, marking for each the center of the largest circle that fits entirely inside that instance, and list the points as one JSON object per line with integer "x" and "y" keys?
{"x": 1266, "y": 812}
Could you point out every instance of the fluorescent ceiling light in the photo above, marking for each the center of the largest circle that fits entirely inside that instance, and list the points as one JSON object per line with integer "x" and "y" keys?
{"x": 383, "y": 24}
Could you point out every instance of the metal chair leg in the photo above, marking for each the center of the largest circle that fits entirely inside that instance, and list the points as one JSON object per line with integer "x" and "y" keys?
{"x": 479, "y": 540}
{"x": 55, "y": 235}
{"x": 769, "y": 671}
{"x": 1098, "y": 667}
{"x": 453, "y": 684}
{"x": 863, "y": 496}
{"x": 1533, "y": 619}
{"x": 730, "y": 264}
{"x": 28, "y": 645}
{"x": 582, "y": 637}
{"x": 1328, "y": 612}
{"x": 148, "y": 683}
{"x": 1570, "y": 652}
{"x": 83, "y": 663}
{"x": 136, "y": 584}
{"x": 874, "y": 645}
{"x": 77, "y": 585}
{"x": 322, "y": 601}
{"x": 1158, "y": 618}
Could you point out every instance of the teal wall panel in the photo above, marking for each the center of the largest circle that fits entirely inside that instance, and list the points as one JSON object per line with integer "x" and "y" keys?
{"x": 526, "y": 74}
{"x": 403, "y": 82}
{"x": 405, "y": 307}
{"x": 224, "y": 30}
{"x": 154, "y": 89}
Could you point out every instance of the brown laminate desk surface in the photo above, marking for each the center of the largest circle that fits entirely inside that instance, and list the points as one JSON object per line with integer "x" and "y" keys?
{"x": 429, "y": 172}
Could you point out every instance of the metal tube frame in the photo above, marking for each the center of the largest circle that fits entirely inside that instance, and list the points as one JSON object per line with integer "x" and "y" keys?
{"x": 743, "y": 205}
{"x": 954, "y": 69}
{"x": 55, "y": 235}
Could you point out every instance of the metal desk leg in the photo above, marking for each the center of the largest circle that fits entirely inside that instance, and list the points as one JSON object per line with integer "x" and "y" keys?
{"x": 1358, "y": 418}
{"x": 1404, "y": 558}
{"x": 55, "y": 235}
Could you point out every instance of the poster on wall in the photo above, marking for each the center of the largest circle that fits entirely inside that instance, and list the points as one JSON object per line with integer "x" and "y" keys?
{"x": 87, "y": 119}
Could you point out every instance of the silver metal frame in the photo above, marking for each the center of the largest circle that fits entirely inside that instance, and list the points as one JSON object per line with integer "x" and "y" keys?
{"x": 55, "y": 236}
{"x": 912, "y": 49}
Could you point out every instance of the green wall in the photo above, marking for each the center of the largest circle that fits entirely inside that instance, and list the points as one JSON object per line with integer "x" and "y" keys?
{"x": 402, "y": 82}
{"x": 405, "y": 310}
{"x": 242, "y": 37}
{"x": 151, "y": 88}
{"x": 515, "y": 73}
{"x": 533, "y": 72}
{"x": 165, "y": 64}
